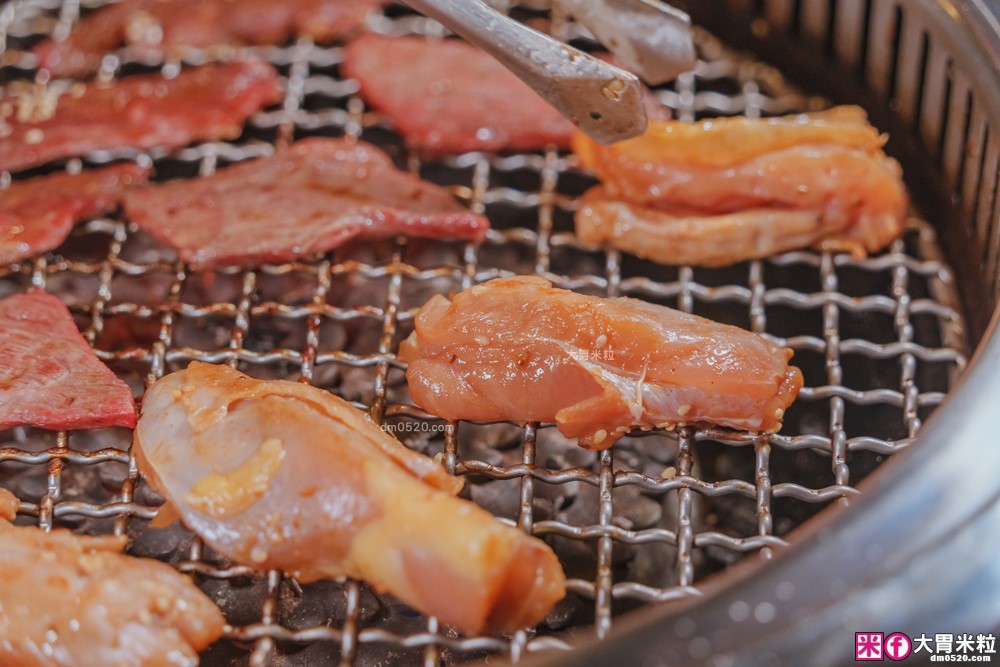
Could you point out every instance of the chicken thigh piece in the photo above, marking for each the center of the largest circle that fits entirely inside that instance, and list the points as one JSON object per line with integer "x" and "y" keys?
{"x": 277, "y": 474}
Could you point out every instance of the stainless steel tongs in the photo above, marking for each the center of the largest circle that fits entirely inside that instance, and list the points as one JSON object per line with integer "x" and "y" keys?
{"x": 604, "y": 101}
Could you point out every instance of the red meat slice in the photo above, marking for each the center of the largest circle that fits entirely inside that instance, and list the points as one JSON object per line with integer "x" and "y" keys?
{"x": 309, "y": 198}
{"x": 164, "y": 28}
{"x": 37, "y": 214}
{"x": 201, "y": 104}
{"x": 49, "y": 376}
{"x": 451, "y": 97}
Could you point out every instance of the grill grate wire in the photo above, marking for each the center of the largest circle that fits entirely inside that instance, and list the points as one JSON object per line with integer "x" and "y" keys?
{"x": 912, "y": 299}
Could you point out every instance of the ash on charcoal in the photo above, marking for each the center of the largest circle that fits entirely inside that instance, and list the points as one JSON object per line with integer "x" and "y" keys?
{"x": 240, "y": 599}
{"x": 324, "y": 602}
{"x": 398, "y": 618}
{"x": 86, "y": 483}
{"x": 386, "y": 655}
{"x": 306, "y": 655}
{"x": 225, "y": 652}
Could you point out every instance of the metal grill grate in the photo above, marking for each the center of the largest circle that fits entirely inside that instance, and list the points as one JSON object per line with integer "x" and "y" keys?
{"x": 879, "y": 341}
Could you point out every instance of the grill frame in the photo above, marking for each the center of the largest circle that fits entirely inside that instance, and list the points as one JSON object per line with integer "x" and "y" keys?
{"x": 686, "y": 289}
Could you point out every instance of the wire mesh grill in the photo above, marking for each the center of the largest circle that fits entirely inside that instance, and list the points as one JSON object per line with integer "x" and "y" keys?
{"x": 879, "y": 341}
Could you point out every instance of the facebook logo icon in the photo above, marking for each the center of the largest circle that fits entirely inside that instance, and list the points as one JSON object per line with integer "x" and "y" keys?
{"x": 877, "y": 646}
{"x": 897, "y": 646}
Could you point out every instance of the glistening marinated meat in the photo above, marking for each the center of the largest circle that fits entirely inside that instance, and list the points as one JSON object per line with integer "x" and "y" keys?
{"x": 284, "y": 475}
{"x": 37, "y": 214}
{"x": 73, "y": 601}
{"x": 49, "y": 376}
{"x": 680, "y": 236}
{"x": 200, "y": 104}
{"x": 167, "y": 28}
{"x": 309, "y": 198}
{"x": 724, "y": 190}
{"x": 448, "y": 96}
{"x": 520, "y": 349}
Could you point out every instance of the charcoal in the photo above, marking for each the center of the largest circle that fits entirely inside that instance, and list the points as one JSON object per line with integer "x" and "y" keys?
{"x": 501, "y": 497}
{"x": 150, "y": 289}
{"x": 307, "y": 655}
{"x": 140, "y": 248}
{"x": 30, "y": 484}
{"x": 634, "y": 510}
{"x": 27, "y": 438}
{"x": 145, "y": 494}
{"x": 74, "y": 289}
{"x": 502, "y": 437}
{"x": 105, "y": 438}
{"x": 316, "y": 604}
{"x": 356, "y": 384}
{"x": 326, "y": 375}
{"x": 240, "y": 599}
{"x": 654, "y": 565}
{"x": 112, "y": 475}
{"x": 563, "y": 613}
{"x": 170, "y": 543}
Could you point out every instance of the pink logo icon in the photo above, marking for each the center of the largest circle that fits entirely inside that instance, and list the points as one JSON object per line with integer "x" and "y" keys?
{"x": 868, "y": 646}
{"x": 898, "y": 646}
